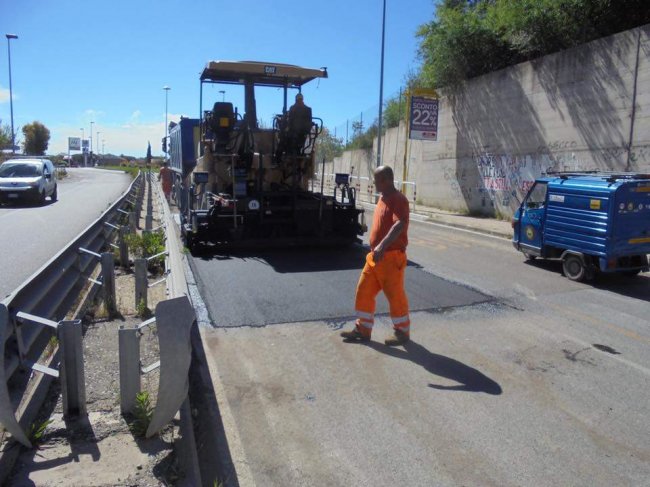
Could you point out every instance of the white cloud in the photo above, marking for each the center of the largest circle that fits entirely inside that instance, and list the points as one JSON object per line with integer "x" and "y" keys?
{"x": 136, "y": 115}
{"x": 91, "y": 115}
{"x": 4, "y": 95}
{"x": 128, "y": 138}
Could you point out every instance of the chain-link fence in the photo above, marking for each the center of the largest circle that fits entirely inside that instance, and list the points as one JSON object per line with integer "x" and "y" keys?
{"x": 358, "y": 130}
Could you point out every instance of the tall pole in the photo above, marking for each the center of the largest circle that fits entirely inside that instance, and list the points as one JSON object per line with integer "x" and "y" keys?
{"x": 82, "y": 145}
{"x": 381, "y": 86}
{"x": 166, "y": 88}
{"x": 91, "y": 137}
{"x": 97, "y": 139}
{"x": 11, "y": 96}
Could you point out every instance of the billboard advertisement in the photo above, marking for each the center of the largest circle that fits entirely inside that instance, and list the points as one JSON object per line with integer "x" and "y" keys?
{"x": 423, "y": 118}
{"x": 74, "y": 143}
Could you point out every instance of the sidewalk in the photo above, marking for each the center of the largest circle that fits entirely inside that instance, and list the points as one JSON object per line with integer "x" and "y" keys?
{"x": 489, "y": 226}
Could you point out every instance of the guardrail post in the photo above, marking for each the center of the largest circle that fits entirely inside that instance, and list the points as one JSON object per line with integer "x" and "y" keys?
{"x": 141, "y": 283}
{"x": 73, "y": 384}
{"x": 132, "y": 219}
{"x": 108, "y": 282}
{"x": 129, "y": 350}
{"x": 124, "y": 248}
{"x": 148, "y": 222}
{"x": 138, "y": 213}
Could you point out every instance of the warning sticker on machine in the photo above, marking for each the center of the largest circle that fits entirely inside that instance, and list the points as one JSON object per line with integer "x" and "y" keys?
{"x": 594, "y": 204}
{"x": 556, "y": 198}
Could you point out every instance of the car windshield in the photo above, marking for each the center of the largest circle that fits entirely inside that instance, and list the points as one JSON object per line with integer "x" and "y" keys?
{"x": 19, "y": 170}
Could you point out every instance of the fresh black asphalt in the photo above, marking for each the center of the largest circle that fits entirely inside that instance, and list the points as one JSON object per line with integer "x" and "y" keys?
{"x": 301, "y": 285}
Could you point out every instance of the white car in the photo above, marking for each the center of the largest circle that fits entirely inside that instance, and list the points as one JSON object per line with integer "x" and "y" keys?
{"x": 30, "y": 180}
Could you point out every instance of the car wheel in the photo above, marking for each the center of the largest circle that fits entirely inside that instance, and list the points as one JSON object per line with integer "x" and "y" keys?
{"x": 573, "y": 268}
{"x": 54, "y": 194}
{"x": 41, "y": 198}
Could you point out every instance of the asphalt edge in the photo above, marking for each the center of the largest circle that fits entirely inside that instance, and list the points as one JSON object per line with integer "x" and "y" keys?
{"x": 186, "y": 449}
{"x": 209, "y": 424}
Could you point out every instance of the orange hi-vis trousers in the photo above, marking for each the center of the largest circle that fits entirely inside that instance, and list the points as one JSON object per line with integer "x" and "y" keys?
{"x": 387, "y": 275}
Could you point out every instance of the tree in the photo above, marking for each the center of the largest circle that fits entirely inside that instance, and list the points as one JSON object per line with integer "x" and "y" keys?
{"x": 5, "y": 136}
{"x": 394, "y": 111}
{"x": 469, "y": 38}
{"x": 37, "y": 138}
{"x": 364, "y": 139}
{"x": 328, "y": 146}
{"x": 148, "y": 153}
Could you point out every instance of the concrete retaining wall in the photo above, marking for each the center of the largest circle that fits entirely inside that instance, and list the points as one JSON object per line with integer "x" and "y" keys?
{"x": 574, "y": 110}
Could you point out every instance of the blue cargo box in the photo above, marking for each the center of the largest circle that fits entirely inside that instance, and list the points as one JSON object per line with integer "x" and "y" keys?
{"x": 183, "y": 145}
{"x": 601, "y": 221}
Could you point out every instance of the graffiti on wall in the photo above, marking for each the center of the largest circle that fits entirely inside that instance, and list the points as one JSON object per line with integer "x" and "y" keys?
{"x": 504, "y": 179}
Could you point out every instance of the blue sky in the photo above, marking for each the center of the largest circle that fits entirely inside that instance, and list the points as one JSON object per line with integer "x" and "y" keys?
{"x": 106, "y": 62}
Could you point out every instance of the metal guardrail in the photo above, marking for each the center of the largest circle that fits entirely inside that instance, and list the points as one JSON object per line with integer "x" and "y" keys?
{"x": 366, "y": 188}
{"x": 174, "y": 319}
{"x": 48, "y": 296}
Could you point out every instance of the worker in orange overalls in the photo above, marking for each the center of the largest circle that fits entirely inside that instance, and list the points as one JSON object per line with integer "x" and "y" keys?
{"x": 385, "y": 264}
{"x": 165, "y": 177}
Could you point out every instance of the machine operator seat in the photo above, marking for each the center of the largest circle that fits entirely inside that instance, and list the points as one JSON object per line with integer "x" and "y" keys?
{"x": 222, "y": 122}
{"x": 294, "y": 129}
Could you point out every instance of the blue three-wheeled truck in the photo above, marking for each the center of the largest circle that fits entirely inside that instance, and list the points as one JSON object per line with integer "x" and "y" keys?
{"x": 593, "y": 222}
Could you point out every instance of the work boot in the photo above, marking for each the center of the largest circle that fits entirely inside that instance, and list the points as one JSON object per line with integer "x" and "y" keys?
{"x": 398, "y": 338}
{"x": 355, "y": 335}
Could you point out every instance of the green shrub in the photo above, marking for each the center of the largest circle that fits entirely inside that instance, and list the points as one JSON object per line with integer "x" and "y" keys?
{"x": 147, "y": 245}
{"x": 142, "y": 414}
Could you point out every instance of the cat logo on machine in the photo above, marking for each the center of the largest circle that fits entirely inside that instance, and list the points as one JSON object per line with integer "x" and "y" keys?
{"x": 530, "y": 232}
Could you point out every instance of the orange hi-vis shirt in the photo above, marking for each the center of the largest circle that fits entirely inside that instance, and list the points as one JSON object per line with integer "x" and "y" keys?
{"x": 166, "y": 179}
{"x": 389, "y": 210}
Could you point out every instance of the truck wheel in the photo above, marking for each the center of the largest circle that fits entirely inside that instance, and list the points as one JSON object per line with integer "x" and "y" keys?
{"x": 573, "y": 268}
{"x": 530, "y": 257}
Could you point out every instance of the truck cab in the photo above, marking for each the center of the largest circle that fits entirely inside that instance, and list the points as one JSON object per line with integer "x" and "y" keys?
{"x": 593, "y": 222}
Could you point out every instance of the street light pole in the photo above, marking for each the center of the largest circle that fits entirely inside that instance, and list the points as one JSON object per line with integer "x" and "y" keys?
{"x": 381, "y": 86}
{"x": 223, "y": 95}
{"x": 166, "y": 88}
{"x": 91, "y": 137}
{"x": 83, "y": 152}
{"x": 97, "y": 139}
{"x": 11, "y": 96}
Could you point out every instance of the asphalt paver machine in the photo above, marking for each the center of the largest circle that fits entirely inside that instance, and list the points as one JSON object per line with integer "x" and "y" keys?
{"x": 254, "y": 186}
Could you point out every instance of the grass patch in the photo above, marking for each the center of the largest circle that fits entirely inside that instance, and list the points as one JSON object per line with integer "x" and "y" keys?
{"x": 142, "y": 310}
{"x": 131, "y": 170}
{"x": 142, "y": 414}
{"x": 36, "y": 432}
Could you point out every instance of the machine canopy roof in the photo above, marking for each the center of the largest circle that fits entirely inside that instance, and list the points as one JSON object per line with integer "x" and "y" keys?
{"x": 260, "y": 73}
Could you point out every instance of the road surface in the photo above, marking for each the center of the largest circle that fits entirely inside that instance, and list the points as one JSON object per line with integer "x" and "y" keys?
{"x": 515, "y": 376}
{"x": 31, "y": 235}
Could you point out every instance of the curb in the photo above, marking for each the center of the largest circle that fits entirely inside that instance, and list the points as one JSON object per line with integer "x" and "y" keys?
{"x": 186, "y": 449}
{"x": 207, "y": 412}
